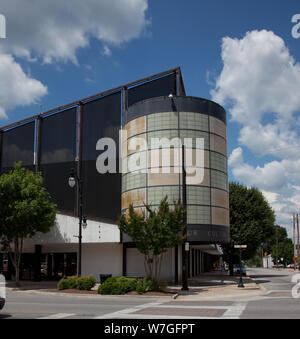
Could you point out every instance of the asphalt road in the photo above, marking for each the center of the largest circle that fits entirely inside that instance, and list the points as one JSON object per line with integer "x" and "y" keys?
{"x": 276, "y": 302}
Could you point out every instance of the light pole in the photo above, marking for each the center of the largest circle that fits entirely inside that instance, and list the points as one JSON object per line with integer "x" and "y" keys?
{"x": 185, "y": 246}
{"x": 241, "y": 284}
{"x": 73, "y": 180}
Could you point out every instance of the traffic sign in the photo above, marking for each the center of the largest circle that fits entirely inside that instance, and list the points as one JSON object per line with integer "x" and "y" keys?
{"x": 295, "y": 259}
{"x": 240, "y": 246}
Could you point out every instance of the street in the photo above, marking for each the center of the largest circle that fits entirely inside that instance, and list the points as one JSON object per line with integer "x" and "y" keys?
{"x": 274, "y": 301}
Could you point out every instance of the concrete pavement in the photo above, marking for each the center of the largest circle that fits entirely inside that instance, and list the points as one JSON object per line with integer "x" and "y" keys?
{"x": 270, "y": 299}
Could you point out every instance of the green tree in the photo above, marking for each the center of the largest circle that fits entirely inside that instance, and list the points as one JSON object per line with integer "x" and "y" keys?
{"x": 285, "y": 246}
{"x": 251, "y": 222}
{"x": 154, "y": 233}
{"x": 25, "y": 209}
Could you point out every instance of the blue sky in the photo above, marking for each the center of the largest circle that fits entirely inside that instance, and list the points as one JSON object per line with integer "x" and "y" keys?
{"x": 64, "y": 52}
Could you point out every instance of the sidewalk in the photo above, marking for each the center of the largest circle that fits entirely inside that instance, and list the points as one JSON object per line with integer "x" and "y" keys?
{"x": 213, "y": 285}
{"x": 218, "y": 285}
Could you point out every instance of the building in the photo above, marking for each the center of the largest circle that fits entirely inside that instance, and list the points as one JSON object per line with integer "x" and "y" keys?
{"x": 70, "y": 137}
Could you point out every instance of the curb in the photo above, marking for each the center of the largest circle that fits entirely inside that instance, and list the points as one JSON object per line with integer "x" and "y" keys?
{"x": 263, "y": 289}
{"x": 86, "y": 295}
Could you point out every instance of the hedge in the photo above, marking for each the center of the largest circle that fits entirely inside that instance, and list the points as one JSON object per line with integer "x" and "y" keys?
{"x": 82, "y": 283}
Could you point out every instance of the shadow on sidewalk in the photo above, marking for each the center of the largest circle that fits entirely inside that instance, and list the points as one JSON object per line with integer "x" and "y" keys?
{"x": 32, "y": 285}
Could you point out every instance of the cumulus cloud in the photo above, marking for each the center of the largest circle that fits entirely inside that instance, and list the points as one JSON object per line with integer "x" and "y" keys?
{"x": 55, "y": 30}
{"x": 259, "y": 86}
{"x": 16, "y": 88}
{"x": 259, "y": 77}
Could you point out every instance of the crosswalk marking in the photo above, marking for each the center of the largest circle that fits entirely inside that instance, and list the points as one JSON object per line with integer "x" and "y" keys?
{"x": 58, "y": 316}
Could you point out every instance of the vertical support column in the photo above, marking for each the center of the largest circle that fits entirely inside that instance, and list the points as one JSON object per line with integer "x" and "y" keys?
{"x": 37, "y": 262}
{"x": 38, "y": 145}
{"x": 124, "y": 104}
{"x": 79, "y": 155}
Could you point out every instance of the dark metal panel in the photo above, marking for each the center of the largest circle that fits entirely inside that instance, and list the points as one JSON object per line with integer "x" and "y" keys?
{"x": 58, "y": 141}
{"x": 156, "y": 88}
{"x": 57, "y": 157}
{"x": 175, "y": 104}
{"x": 55, "y": 178}
{"x": 18, "y": 145}
{"x": 101, "y": 192}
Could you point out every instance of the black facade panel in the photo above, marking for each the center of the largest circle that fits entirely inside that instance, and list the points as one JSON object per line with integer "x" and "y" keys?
{"x": 101, "y": 192}
{"x": 18, "y": 145}
{"x": 58, "y": 153}
{"x": 58, "y": 137}
{"x": 160, "y": 87}
{"x": 56, "y": 182}
{"x": 175, "y": 104}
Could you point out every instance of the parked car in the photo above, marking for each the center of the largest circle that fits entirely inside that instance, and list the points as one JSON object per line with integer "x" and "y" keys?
{"x": 279, "y": 266}
{"x": 292, "y": 266}
{"x": 236, "y": 269}
{"x": 2, "y": 291}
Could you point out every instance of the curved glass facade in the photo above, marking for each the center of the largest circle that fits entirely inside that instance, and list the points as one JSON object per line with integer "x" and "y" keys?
{"x": 151, "y": 155}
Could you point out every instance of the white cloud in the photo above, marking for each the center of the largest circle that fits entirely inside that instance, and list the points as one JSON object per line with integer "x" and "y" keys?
{"x": 259, "y": 76}
{"x": 55, "y": 30}
{"x": 106, "y": 51}
{"x": 16, "y": 88}
{"x": 259, "y": 86}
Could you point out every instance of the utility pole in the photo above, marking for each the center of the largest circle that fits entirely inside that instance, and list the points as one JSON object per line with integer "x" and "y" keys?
{"x": 294, "y": 235}
{"x": 298, "y": 249}
{"x": 277, "y": 248}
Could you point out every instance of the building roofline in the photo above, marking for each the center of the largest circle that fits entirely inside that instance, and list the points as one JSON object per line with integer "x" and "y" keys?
{"x": 94, "y": 96}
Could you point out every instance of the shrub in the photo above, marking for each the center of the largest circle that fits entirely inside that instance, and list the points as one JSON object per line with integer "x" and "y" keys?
{"x": 117, "y": 286}
{"x": 163, "y": 286}
{"x": 86, "y": 283}
{"x": 68, "y": 283}
{"x": 145, "y": 285}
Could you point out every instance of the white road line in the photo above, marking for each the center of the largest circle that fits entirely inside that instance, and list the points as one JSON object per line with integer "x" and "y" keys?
{"x": 127, "y": 311}
{"x": 234, "y": 312}
{"x": 58, "y": 316}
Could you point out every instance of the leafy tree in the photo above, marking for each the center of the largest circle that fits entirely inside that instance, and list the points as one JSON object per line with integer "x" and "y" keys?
{"x": 251, "y": 222}
{"x": 25, "y": 209}
{"x": 285, "y": 246}
{"x": 154, "y": 233}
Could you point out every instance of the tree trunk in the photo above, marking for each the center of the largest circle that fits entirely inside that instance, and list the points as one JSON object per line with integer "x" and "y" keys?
{"x": 231, "y": 267}
{"x": 16, "y": 258}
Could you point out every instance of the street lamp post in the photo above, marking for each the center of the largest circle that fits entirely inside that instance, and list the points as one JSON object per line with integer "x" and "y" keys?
{"x": 73, "y": 180}
{"x": 241, "y": 284}
{"x": 185, "y": 246}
